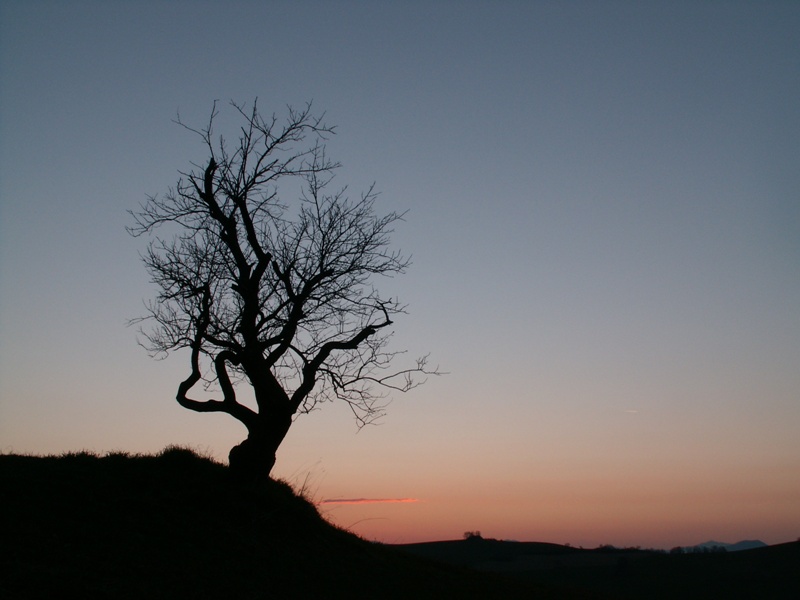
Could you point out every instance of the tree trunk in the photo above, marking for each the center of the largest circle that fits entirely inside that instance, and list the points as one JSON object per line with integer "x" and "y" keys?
{"x": 254, "y": 458}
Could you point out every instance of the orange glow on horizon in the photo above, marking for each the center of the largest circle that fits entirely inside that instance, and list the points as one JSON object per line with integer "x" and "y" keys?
{"x": 652, "y": 511}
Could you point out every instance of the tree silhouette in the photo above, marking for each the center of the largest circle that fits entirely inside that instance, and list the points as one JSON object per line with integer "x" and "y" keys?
{"x": 275, "y": 295}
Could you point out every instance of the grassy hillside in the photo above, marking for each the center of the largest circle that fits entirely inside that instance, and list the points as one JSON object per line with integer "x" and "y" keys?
{"x": 175, "y": 526}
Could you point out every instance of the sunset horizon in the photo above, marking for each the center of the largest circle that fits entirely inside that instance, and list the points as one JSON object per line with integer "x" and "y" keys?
{"x": 591, "y": 234}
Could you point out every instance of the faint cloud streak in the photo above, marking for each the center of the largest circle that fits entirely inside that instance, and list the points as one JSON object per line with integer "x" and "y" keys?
{"x": 368, "y": 500}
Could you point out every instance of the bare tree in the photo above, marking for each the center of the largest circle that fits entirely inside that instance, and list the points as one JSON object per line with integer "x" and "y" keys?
{"x": 275, "y": 295}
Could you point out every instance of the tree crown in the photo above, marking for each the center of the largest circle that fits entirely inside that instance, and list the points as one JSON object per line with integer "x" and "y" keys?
{"x": 280, "y": 294}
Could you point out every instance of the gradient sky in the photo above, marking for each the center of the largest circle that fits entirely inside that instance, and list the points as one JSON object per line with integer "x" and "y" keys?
{"x": 604, "y": 218}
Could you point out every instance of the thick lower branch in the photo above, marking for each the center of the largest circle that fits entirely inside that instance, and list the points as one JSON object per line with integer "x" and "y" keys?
{"x": 247, "y": 416}
{"x": 228, "y": 404}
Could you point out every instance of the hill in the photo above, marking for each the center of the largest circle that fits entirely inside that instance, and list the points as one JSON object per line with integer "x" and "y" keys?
{"x": 514, "y": 557}
{"x": 764, "y": 572}
{"x": 176, "y": 526}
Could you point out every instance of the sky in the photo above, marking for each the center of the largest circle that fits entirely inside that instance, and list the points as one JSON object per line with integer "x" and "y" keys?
{"x": 603, "y": 215}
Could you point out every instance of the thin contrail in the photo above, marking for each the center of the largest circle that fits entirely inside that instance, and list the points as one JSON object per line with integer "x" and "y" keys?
{"x": 367, "y": 500}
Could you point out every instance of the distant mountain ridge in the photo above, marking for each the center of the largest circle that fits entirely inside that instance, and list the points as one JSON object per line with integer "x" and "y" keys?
{"x": 738, "y": 546}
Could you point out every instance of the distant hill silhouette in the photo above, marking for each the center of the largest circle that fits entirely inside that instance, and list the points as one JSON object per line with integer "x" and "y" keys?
{"x": 737, "y": 547}
{"x": 768, "y": 572}
{"x": 174, "y": 526}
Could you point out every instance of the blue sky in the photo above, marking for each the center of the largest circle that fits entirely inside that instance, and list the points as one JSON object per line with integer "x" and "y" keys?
{"x": 604, "y": 218}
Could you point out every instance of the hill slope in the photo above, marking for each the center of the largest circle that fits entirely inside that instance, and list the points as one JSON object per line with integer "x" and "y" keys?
{"x": 175, "y": 526}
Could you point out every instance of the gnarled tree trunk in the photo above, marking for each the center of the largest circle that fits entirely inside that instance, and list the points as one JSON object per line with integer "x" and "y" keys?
{"x": 254, "y": 458}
